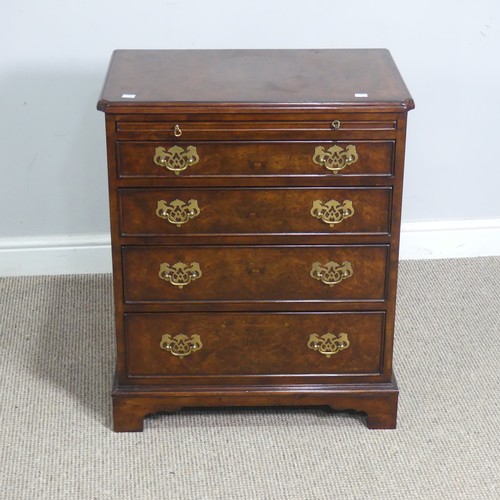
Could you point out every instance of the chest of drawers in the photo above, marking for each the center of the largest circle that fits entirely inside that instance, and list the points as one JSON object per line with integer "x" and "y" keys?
{"x": 255, "y": 209}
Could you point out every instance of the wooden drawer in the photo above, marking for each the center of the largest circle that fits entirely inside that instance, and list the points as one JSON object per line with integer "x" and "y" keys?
{"x": 232, "y": 211}
{"x": 201, "y": 344}
{"x": 242, "y": 159}
{"x": 254, "y": 273}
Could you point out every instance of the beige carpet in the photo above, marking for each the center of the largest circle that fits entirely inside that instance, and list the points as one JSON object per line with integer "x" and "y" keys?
{"x": 56, "y": 364}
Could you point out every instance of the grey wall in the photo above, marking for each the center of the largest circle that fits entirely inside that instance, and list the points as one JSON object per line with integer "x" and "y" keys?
{"x": 54, "y": 56}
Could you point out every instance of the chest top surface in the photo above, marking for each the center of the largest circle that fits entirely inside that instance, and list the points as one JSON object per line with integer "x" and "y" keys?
{"x": 360, "y": 78}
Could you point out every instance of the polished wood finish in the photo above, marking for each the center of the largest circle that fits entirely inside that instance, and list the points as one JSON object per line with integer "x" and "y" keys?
{"x": 378, "y": 401}
{"x": 250, "y": 274}
{"x": 239, "y": 344}
{"x": 244, "y": 211}
{"x": 255, "y": 118}
{"x": 275, "y": 78}
{"x": 236, "y": 160}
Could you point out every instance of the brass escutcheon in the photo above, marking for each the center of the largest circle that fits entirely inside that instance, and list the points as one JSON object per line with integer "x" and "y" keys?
{"x": 180, "y": 274}
{"x": 328, "y": 343}
{"x": 181, "y": 345}
{"x": 176, "y": 159}
{"x": 331, "y": 273}
{"x": 335, "y": 158}
{"x": 177, "y": 212}
{"x": 332, "y": 212}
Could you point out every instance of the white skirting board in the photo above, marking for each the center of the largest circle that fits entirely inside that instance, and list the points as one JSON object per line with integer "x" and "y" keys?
{"x": 91, "y": 253}
{"x": 450, "y": 239}
{"x": 72, "y": 254}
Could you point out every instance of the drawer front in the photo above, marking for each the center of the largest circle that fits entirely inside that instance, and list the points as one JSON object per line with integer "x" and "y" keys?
{"x": 243, "y": 159}
{"x": 254, "y": 274}
{"x": 195, "y": 344}
{"x": 254, "y": 211}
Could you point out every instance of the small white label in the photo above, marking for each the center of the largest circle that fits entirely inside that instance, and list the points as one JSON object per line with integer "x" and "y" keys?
{"x": 128, "y": 96}
{"x": 360, "y": 95}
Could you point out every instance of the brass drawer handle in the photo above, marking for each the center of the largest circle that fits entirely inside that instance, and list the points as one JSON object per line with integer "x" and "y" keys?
{"x": 335, "y": 124}
{"x": 177, "y": 131}
{"x": 335, "y": 158}
{"x": 331, "y": 273}
{"x": 328, "y": 344}
{"x": 332, "y": 212}
{"x": 180, "y": 274}
{"x": 177, "y": 212}
{"x": 176, "y": 159}
{"x": 181, "y": 345}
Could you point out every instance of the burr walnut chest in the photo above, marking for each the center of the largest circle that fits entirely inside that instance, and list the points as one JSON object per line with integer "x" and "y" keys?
{"x": 255, "y": 200}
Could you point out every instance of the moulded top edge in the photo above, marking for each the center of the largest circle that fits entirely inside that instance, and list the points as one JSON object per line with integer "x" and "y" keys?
{"x": 246, "y": 107}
